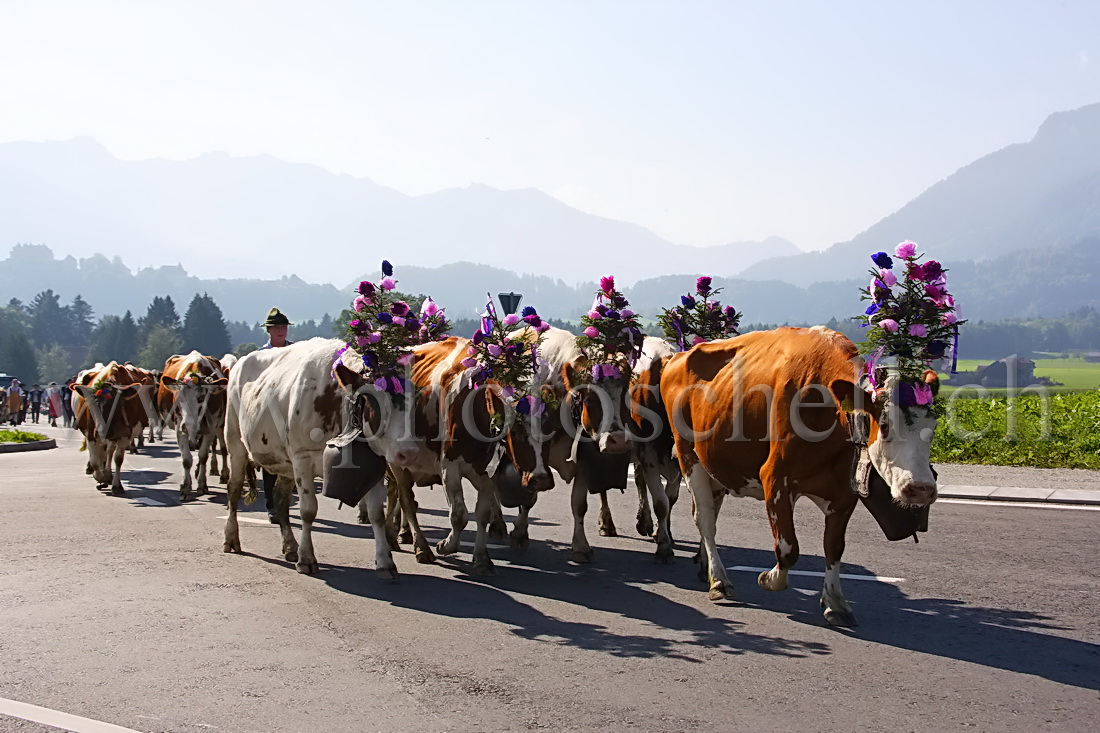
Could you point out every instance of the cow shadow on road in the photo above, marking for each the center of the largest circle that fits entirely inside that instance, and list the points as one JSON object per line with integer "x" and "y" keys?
{"x": 1014, "y": 640}
{"x": 677, "y": 630}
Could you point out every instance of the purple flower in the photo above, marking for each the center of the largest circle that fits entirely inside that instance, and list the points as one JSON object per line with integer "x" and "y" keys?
{"x": 906, "y": 250}
{"x": 400, "y": 308}
{"x": 362, "y": 341}
{"x": 619, "y": 302}
{"x": 385, "y": 318}
{"x": 702, "y": 285}
{"x": 591, "y": 332}
{"x": 366, "y": 288}
{"x": 881, "y": 259}
{"x": 936, "y": 293}
{"x": 595, "y": 315}
{"x": 948, "y": 319}
{"x": 888, "y": 278}
{"x": 607, "y": 285}
{"x": 381, "y": 384}
{"x": 479, "y": 336}
{"x": 405, "y": 359}
{"x": 429, "y": 308}
{"x": 370, "y": 359}
{"x": 627, "y": 313}
{"x": 889, "y": 325}
{"x": 919, "y": 330}
{"x": 354, "y": 323}
{"x": 933, "y": 270}
{"x": 494, "y": 349}
{"x": 529, "y": 311}
{"x": 387, "y": 268}
{"x": 374, "y": 337}
{"x": 387, "y": 283}
{"x": 532, "y": 320}
{"x": 730, "y": 312}
{"x": 698, "y": 340}
{"x": 612, "y": 314}
{"x": 543, "y": 327}
{"x": 915, "y": 272}
{"x": 511, "y": 319}
{"x": 412, "y": 322}
{"x": 361, "y": 304}
{"x": 935, "y": 349}
{"x": 469, "y": 362}
{"x": 687, "y": 301}
{"x": 871, "y": 309}
{"x": 398, "y": 385}
{"x": 397, "y": 320}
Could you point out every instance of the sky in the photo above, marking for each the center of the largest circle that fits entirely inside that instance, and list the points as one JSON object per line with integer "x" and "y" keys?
{"x": 706, "y": 122}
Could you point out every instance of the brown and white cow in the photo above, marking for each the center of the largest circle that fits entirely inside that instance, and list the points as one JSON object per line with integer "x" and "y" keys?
{"x": 764, "y": 415}
{"x": 592, "y": 432}
{"x": 227, "y": 361}
{"x": 150, "y": 383}
{"x": 108, "y": 411}
{"x": 467, "y": 432}
{"x": 195, "y": 384}
{"x": 283, "y": 406}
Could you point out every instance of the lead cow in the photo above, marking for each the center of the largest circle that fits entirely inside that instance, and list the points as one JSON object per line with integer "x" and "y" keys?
{"x": 108, "y": 411}
{"x": 765, "y": 415}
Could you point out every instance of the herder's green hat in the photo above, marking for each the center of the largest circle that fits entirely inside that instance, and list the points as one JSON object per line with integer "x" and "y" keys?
{"x": 275, "y": 317}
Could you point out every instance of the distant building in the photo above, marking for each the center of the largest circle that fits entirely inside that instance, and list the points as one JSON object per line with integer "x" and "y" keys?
{"x": 1093, "y": 357}
{"x": 997, "y": 374}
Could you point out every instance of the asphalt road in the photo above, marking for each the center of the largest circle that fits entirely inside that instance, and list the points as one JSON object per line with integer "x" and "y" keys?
{"x": 125, "y": 610}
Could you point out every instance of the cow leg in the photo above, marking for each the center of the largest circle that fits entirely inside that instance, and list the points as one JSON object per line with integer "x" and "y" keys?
{"x": 607, "y": 524}
{"x": 837, "y": 610}
{"x": 283, "y": 487}
{"x": 519, "y": 538}
{"x": 779, "y": 501}
{"x": 498, "y": 529}
{"x": 374, "y": 503}
{"x": 651, "y": 478}
{"x": 708, "y": 501}
{"x": 214, "y": 458}
{"x": 452, "y": 485}
{"x": 185, "y": 456}
{"x": 307, "y": 510}
{"x": 578, "y": 499}
{"x": 421, "y": 548}
{"x": 239, "y": 469}
{"x": 119, "y": 456}
{"x": 645, "y": 515}
{"x": 205, "y": 452}
{"x": 673, "y": 478}
{"x": 486, "y": 500}
{"x": 394, "y": 517}
{"x": 223, "y": 477}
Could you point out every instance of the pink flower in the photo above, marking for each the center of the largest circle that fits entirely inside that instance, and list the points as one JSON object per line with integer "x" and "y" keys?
{"x": 591, "y": 332}
{"x": 507, "y": 391}
{"x": 889, "y": 325}
{"x": 922, "y": 394}
{"x": 906, "y": 250}
{"x": 936, "y": 293}
{"x": 398, "y": 321}
{"x": 381, "y": 383}
{"x": 698, "y": 340}
{"x": 889, "y": 278}
{"x": 594, "y": 315}
{"x": 361, "y": 303}
{"x": 429, "y": 308}
{"x": 494, "y": 349}
{"x": 471, "y": 350}
{"x": 607, "y": 284}
{"x": 374, "y": 337}
{"x": 387, "y": 283}
{"x": 915, "y": 272}
{"x": 626, "y": 313}
{"x": 949, "y": 319}
{"x": 544, "y": 327}
{"x": 469, "y": 362}
{"x": 919, "y": 330}
{"x": 362, "y": 341}
{"x": 405, "y": 359}
{"x": 511, "y": 319}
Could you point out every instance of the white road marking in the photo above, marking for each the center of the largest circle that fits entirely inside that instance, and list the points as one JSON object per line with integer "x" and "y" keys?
{"x": 1022, "y": 504}
{"x": 148, "y": 502}
{"x": 247, "y": 519}
{"x": 812, "y": 573}
{"x": 64, "y": 721}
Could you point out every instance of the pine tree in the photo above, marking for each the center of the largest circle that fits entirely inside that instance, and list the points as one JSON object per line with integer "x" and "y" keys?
{"x": 82, "y": 321}
{"x": 161, "y": 312}
{"x": 114, "y": 339}
{"x": 49, "y": 321}
{"x": 17, "y": 358}
{"x": 161, "y": 342}
{"x": 204, "y": 327}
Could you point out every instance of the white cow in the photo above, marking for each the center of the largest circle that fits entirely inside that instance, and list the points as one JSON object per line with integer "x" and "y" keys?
{"x": 283, "y": 406}
{"x": 195, "y": 385}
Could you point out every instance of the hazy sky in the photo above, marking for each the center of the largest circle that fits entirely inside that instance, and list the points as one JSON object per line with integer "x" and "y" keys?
{"x": 707, "y": 122}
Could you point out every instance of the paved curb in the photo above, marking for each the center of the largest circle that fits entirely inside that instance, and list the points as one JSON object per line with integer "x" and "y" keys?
{"x": 33, "y": 445}
{"x": 1013, "y": 493}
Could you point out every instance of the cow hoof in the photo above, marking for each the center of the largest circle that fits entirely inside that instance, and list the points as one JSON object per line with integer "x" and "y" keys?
{"x": 445, "y": 547}
{"x": 117, "y": 491}
{"x": 88, "y": 470}
{"x": 201, "y": 491}
{"x": 664, "y": 557}
{"x": 767, "y": 580}
{"x": 645, "y": 526}
{"x": 837, "y": 617}
{"x": 720, "y": 591}
{"x": 519, "y": 541}
{"x": 307, "y": 567}
{"x": 498, "y": 530}
{"x": 608, "y": 531}
{"x": 291, "y": 556}
{"x": 406, "y": 537}
{"x": 232, "y": 546}
{"x": 582, "y": 555}
{"x": 224, "y": 478}
{"x": 484, "y": 567}
{"x": 424, "y": 555}
{"x": 388, "y": 572}
{"x": 363, "y": 518}
{"x": 102, "y": 485}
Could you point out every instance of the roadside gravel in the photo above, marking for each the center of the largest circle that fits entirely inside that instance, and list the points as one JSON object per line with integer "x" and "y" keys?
{"x": 1027, "y": 478}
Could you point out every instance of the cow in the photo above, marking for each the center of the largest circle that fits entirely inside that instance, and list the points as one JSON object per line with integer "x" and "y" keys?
{"x": 227, "y": 361}
{"x": 150, "y": 383}
{"x": 767, "y": 415}
{"x": 455, "y": 419}
{"x": 108, "y": 411}
{"x": 656, "y": 470}
{"x": 283, "y": 405}
{"x": 592, "y": 434}
{"x": 195, "y": 384}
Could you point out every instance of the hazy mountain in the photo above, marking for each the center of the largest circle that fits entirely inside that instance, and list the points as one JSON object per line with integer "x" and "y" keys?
{"x": 1033, "y": 195}
{"x": 223, "y": 216}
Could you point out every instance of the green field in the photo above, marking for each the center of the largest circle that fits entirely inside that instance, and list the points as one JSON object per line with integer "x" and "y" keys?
{"x": 1074, "y": 373}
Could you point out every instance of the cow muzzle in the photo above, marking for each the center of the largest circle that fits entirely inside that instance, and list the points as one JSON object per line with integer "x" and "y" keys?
{"x": 542, "y": 481}
{"x": 614, "y": 443}
{"x": 405, "y": 457}
{"x": 916, "y": 493}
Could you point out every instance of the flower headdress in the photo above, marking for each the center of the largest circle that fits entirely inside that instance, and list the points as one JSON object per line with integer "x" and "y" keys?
{"x": 511, "y": 362}
{"x": 612, "y": 339}
{"x": 385, "y": 328}
{"x": 698, "y": 318}
{"x": 911, "y": 318}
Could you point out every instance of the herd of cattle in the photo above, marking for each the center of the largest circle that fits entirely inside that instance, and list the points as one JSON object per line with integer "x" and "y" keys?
{"x": 766, "y": 414}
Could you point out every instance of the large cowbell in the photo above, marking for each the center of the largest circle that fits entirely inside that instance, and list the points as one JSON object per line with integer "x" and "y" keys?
{"x": 350, "y": 469}
{"x": 602, "y": 471}
{"x": 897, "y": 522}
{"x": 510, "y": 489}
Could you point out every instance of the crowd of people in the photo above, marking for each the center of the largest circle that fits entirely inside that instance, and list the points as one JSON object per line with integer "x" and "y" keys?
{"x": 21, "y": 405}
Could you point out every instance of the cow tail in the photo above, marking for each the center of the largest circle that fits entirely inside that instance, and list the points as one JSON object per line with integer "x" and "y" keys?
{"x": 253, "y": 493}
{"x": 84, "y": 445}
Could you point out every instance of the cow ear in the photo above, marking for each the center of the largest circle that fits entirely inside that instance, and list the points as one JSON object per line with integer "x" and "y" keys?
{"x": 851, "y": 398}
{"x": 128, "y": 390}
{"x": 169, "y": 383}
{"x": 570, "y": 377}
{"x": 85, "y": 392}
{"x": 220, "y": 382}
{"x": 350, "y": 381}
{"x": 932, "y": 380}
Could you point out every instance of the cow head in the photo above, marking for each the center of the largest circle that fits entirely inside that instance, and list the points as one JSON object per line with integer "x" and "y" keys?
{"x": 195, "y": 397}
{"x": 600, "y": 408}
{"x": 904, "y": 421}
{"x": 384, "y": 417}
{"x": 528, "y": 440}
